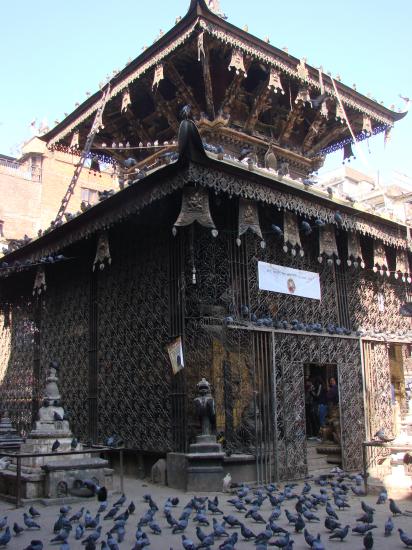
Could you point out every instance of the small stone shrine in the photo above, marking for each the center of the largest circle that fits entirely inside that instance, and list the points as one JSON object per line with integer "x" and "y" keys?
{"x": 10, "y": 441}
{"x": 202, "y": 468}
{"x": 57, "y": 476}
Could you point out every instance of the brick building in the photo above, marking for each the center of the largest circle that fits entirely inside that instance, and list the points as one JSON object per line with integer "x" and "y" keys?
{"x": 32, "y": 187}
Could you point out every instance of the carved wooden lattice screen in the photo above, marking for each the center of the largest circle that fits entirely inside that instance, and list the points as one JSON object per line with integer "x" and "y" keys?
{"x": 377, "y": 401}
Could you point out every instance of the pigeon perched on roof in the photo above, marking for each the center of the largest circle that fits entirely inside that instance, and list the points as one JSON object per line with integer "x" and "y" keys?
{"x": 271, "y": 162}
{"x": 380, "y": 434}
{"x": 186, "y": 112}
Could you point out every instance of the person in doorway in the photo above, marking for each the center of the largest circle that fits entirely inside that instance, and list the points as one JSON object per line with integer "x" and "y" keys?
{"x": 312, "y": 424}
{"x": 321, "y": 401}
{"x": 332, "y": 395}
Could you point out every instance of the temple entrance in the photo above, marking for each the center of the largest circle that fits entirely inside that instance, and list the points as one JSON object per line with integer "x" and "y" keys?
{"x": 322, "y": 417}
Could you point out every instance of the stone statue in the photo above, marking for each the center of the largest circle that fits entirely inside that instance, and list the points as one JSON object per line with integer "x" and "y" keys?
{"x": 205, "y": 406}
{"x": 51, "y": 397}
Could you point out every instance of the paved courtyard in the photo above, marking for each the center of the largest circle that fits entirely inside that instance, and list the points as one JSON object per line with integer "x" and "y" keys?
{"x": 136, "y": 489}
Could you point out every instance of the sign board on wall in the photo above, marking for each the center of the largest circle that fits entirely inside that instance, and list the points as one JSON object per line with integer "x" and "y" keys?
{"x": 283, "y": 279}
{"x": 175, "y": 351}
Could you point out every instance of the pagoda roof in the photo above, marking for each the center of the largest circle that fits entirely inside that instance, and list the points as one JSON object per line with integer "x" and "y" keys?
{"x": 194, "y": 165}
{"x": 200, "y": 19}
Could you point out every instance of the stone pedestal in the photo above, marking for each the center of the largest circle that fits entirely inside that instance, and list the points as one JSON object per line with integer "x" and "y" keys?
{"x": 9, "y": 439}
{"x": 200, "y": 470}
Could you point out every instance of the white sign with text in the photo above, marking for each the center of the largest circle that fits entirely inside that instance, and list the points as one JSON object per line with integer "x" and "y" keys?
{"x": 279, "y": 278}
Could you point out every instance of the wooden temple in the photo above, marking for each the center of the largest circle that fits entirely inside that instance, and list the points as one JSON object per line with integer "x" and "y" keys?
{"x": 214, "y": 134}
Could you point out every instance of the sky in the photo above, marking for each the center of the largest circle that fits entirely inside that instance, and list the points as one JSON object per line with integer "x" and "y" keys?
{"x": 54, "y": 52}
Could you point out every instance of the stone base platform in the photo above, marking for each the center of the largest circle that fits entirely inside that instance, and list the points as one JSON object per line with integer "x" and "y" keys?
{"x": 57, "y": 478}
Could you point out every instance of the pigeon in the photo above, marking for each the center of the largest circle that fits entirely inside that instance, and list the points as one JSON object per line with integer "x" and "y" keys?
{"x": 5, "y": 538}
{"x": 212, "y": 507}
{"x": 389, "y": 527}
{"x": 246, "y": 533}
{"x": 121, "y": 501}
{"x": 77, "y": 516}
{"x": 362, "y": 529}
{"x": 33, "y": 512}
{"x": 308, "y": 537}
{"x": 73, "y": 444}
{"x": 310, "y": 516}
{"x": 306, "y": 228}
{"x": 244, "y": 152}
{"x": 366, "y": 508}
{"x": 330, "y": 511}
{"x": 62, "y": 536}
{"x": 186, "y": 112}
{"x": 111, "y": 513}
{"x": 103, "y": 507}
{"x": 101, "y": 493}
{"x": 340, "y": 533}
{"x": 92, "y": 523}
{"x": 121, "y": 532}
{"x": 368, "y": 541}
{"x": 65, "y": 510}
{"x": 331, "y": 524}
{"x": 383, "y": 496}
{"x": 131, "y": 508}
{"x": 394, "y": 508}
{"x": 277, "y": 230}
{"x": 155, "y": 528}
{"x": 404, "y": 538}
{"x": 79, "y": 532}
{"x": 271, "y": 162}
{"x": 58, "y": 526}
{"x": 93, "y": 536}
{"x": 232, "y": 521}
{"x": 29, "y": 522}
{"x": 207, "y": 542}
{"x": 180, "y": 526}
{"x": 265, "y": 535}
{"x": 187, "y": 543}
{"x": 35, "y": 545}
{"x": 365, "y": 518}
{"x": 57, "y": 417}
{"x": 282, "y": 542}
{"x": 299, "y": 524}
{"x": 338, "y": 218}
{"x": 317, "y": 101}
{"x": 358, "y": 491}
{"x": 380, "y": 434}
{"x": 55, "y": 446}
{"x": 17, "y": 529}
{"x": 218, "y": 529}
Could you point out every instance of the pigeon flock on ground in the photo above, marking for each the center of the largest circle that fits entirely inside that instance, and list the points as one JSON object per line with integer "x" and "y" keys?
{"x": 268, "y": 516}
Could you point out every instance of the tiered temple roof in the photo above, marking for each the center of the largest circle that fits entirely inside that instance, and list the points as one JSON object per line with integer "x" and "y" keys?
{"x": 242, "y": 92}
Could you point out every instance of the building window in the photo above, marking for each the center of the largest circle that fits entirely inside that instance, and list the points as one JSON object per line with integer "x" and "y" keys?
{"x": 1, "y": 228}
{"x": 89, "y": 196}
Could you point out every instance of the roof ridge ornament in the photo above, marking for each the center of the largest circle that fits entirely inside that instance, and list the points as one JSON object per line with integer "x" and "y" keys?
{"x": 214, "y": 7}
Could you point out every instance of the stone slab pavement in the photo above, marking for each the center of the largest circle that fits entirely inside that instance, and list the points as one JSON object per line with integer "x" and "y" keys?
{"x": 135, "y": 489}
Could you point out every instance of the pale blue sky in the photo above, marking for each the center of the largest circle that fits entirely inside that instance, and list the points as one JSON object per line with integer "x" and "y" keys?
{"x": 53, "y": 52}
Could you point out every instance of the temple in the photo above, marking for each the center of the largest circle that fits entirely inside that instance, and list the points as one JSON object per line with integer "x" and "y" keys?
{"x": 216, "y": 258}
